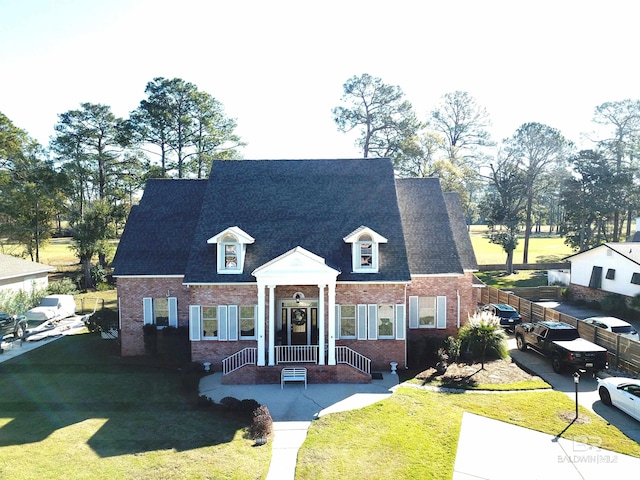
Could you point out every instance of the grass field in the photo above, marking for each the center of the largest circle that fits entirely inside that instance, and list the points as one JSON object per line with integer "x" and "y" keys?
{"x": 542, "y": 248}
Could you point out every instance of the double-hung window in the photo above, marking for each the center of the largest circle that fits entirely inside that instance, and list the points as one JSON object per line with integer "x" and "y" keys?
{"x": 160, "y": 311}
{"x": 428, "y": 312}
{"x": 347, "y": 321}
{"x": 222, "y": 322}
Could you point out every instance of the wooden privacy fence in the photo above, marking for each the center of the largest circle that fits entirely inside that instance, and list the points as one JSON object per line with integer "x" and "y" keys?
{"x": 624, "y": 353}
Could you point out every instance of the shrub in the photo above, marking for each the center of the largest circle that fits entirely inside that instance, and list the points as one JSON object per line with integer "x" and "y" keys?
{"x": 483, "y": 337}
{"x": 231, "y": 403}
{"x": 16, "y": 303}
{"x": 614, "y": 304}
{"x": 452, "y": 347}
{"x": 66, "y": 286}
{"x": 249, "y": 405}
{"x": 261, "y": 424}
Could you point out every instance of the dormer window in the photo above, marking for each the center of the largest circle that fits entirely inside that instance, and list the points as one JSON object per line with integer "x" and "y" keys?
{"x": 365, "y": 249}
{"x": 231, "y": 249}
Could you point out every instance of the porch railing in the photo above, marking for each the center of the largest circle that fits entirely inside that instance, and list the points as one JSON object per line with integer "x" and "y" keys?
{"x": 246, "y": 356}
{"x": 297, "y": 354}
{"x": 353, "y": 359}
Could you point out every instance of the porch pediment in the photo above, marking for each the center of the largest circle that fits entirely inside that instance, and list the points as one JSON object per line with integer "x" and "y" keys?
{"x": 298, "y": 266}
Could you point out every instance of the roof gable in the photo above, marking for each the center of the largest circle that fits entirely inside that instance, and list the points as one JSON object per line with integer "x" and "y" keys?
{"x": 431, "y": 244}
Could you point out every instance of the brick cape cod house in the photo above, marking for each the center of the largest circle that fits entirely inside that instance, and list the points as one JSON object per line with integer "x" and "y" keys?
{"x": 332, "y": 263}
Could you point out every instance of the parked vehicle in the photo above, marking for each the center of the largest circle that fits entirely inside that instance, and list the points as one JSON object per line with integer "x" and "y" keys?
{"x": 623, "y": 393}
{"x": 53, "y": 307}
{"x": 561, "y": 342}
{"x": 615, "y": 325}
{"x": 12, "y": 325}
{"x": 509, "y": 316}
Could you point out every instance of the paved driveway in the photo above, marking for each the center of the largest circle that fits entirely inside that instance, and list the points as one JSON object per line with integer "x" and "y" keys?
{"x": 587, "y": 389}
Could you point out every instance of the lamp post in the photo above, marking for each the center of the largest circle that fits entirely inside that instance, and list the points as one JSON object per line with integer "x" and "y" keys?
{"x": 576, "y": 381}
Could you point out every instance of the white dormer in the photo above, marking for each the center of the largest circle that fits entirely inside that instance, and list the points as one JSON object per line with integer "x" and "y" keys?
{"x": 364, "y": 249}
{"x": 232, "y": 246}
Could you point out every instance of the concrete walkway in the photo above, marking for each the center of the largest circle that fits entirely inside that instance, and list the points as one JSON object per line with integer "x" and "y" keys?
{"x": 485, "y": 446}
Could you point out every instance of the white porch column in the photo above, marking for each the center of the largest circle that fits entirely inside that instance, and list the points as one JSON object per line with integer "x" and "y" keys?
{"x": 321, "y": 325}
{"x": 331, "y": 305}
{"x": 261, "y": 320}
{"x": 272, "y": 325}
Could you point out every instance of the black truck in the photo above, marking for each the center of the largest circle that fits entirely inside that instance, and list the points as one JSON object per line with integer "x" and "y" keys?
{"x": 12, "y": 325}
{"x": 562, "y": 344}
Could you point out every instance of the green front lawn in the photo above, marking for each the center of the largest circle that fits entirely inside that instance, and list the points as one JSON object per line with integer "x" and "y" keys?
{"x": 414, "y": 433}
{"x": 74, "y": 409}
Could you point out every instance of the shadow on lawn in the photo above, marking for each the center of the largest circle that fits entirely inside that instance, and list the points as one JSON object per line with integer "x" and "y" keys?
{"x": 82, "y": 377}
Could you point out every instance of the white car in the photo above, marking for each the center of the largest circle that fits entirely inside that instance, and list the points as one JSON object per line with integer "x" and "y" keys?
{"x": 614, "y": 325}
{"x": 621, "y": 392}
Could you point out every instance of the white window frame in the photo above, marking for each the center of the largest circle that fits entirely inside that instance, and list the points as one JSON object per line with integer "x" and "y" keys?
{"x": 440, "y": 312}
{"x": 236, "y": 237}
{"x": 229, "y": 327}
{"x": 358, "y": 238}
{"x": 150, "y": 315}
{"x": 339, "y": 319}
{"x": 255, "y": 323}
{"x": 391, "y": 319}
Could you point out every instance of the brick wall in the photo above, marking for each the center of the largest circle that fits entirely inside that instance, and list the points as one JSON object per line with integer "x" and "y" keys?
{"x": 250, "y": 375}
{"x": 131, "y": 291}
{"x": 587, "y": 294}
{"x": 381, "y": 352}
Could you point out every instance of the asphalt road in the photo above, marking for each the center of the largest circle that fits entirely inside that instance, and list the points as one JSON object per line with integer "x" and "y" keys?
{"x": 587, "y": 390}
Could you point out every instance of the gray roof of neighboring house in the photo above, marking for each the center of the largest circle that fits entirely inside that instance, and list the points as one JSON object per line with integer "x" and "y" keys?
{"x": 432, "y": 245}
{"x": 14, "y": 267}
{"x": 283, "y": 204}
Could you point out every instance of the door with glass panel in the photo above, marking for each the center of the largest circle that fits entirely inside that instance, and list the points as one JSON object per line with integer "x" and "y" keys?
{"x": 299, "y": 323}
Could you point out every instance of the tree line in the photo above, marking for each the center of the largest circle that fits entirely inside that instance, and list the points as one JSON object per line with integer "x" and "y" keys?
{"x": 535, "y": 177}
{"x": 87, "y": 178}
{"x": 85, "y": 182}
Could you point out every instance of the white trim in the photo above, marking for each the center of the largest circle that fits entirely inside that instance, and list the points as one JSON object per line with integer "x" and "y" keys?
{"x": 223, "y": 326}
{"x": 414, "y": 311}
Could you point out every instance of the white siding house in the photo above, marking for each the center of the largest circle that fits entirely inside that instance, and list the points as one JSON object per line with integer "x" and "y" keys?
{"x": 17, "y": 274}
{"x": 611, "y": 267}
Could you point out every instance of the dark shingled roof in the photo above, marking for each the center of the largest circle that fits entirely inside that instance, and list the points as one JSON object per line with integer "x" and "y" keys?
{"x": 460, "y": 231}
{"x": 431, "y": 245}
{"x": 158, "y": 234}
{"x": 283, "y": 204}
{"x": 309, "y": 203}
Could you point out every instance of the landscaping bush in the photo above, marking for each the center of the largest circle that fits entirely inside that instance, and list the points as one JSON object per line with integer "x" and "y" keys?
{"x": 424, "y": 352}
{"x": 66, "y": 286}
{"x": 249, "y": 405}
{"x": 231, "y": 403}
{"x": 16, "y": 303}
{"x": 262, "y": 423}
{"x": 614, "y": 304}
{"x": 483, "y": 338}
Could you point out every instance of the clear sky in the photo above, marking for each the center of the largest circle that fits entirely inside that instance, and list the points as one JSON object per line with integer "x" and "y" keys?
{"x": 278, "y": 66}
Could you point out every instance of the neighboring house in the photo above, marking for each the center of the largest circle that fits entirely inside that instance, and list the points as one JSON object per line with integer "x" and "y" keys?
{"x": 605, "y": 269}
{"x": 17, "y": 274}
{"x": 327, "y": 262}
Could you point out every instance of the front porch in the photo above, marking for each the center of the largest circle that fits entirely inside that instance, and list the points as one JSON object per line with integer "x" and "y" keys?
{"x": 350, "y": 367}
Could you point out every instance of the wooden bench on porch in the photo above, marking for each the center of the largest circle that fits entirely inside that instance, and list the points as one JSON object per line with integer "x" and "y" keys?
{"x": 293, "y": 374}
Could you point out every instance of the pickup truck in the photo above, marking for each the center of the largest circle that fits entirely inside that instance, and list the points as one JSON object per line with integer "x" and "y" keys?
{"x": 12, "y": 325}
{"x": 562, "y": 343}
